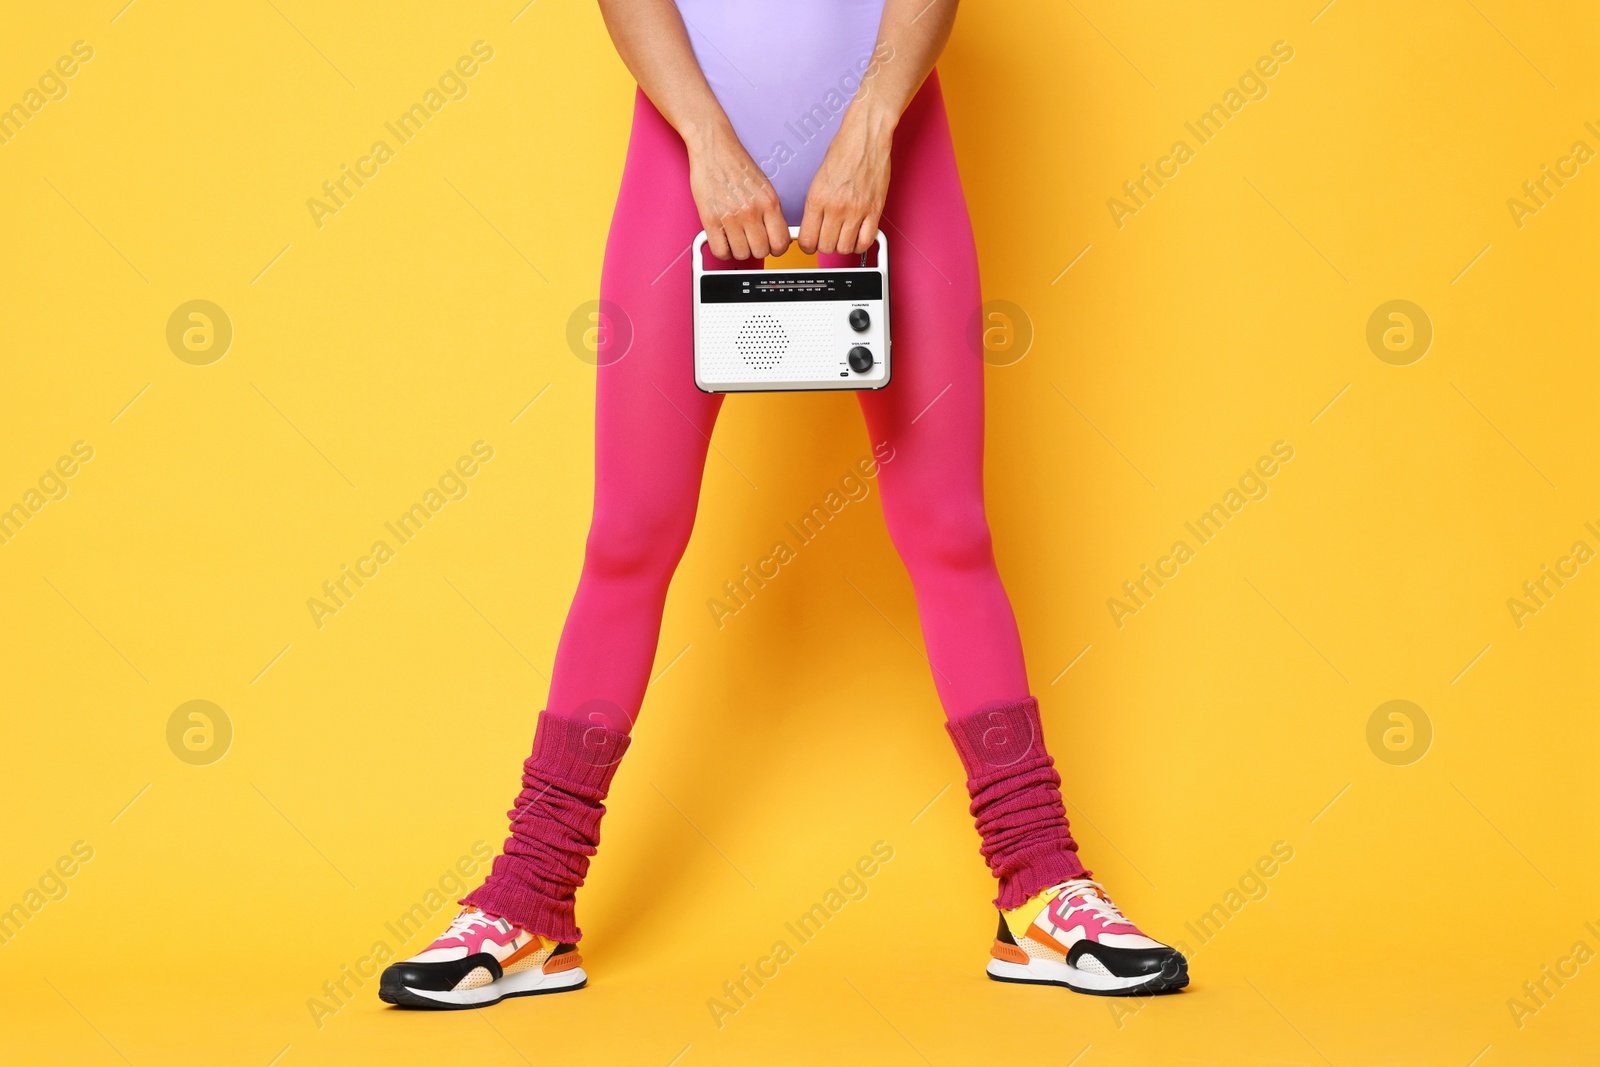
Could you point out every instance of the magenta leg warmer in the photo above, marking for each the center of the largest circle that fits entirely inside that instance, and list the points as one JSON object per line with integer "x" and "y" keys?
{"x": 555, "y": 826}
{"x": 1016, "y": 800}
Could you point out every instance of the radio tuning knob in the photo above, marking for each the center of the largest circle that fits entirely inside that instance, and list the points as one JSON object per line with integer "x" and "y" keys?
{"x": 860, "y": 320}
{"x": 861, "y": 358}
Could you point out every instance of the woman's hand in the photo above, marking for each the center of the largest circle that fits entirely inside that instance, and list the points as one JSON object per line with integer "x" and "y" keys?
{"x": 739, "y": 209}
{"x": 846, "y": 197}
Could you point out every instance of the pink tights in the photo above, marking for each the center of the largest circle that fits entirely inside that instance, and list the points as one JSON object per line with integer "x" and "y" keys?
{"x": 653, "y": 427}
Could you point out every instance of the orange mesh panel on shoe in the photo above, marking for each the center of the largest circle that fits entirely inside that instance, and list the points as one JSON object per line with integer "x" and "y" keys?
{"x": 532, "y": 954}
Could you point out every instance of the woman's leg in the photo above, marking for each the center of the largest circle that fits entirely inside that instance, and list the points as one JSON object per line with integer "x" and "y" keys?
{"x": 931, "y": 415}
{"x": 652, "y": 428}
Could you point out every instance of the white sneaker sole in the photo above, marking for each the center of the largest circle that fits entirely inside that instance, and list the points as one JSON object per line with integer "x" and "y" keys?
{"x": 527, "y": 983}
{"x": 1050, "y": 972}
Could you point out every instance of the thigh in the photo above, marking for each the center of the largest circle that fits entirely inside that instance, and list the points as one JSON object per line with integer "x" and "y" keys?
{"x": 931, "y": 413}
{"x": 652, "y": 425}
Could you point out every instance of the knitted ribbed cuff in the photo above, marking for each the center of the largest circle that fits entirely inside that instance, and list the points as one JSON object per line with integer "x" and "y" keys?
{"x": 528, "y": 908}
{"x": 993, "y": 739}
{"x": 1037, "y": 869}
{"x": 578, "y": 752}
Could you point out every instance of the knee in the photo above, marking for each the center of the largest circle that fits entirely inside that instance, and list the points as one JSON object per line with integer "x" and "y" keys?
{"x": 636, "y": 543}
{"x": 943, "y": 535}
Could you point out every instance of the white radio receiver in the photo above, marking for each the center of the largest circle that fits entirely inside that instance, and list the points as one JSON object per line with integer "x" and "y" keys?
{"x": 794, "y": 329}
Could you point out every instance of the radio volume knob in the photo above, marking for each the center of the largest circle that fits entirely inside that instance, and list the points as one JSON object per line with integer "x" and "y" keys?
{"x": 860, "y": 320}
{"x": 860, "y": 359}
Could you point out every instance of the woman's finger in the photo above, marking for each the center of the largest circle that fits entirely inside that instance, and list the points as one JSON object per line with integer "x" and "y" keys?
{"x": 736, "y": 242}
{"x": 777, "y": 231}
{"x": 755, "y": 238}
{"x": 829, "y": 233}
{"x": 810, "y": 227}
{"x": 717, "y": 241}
{"x": 867, "y": 234}
{"x": 849, "y": 231}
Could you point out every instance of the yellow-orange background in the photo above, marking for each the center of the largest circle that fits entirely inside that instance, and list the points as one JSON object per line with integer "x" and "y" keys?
{"x": 368, "y": 755}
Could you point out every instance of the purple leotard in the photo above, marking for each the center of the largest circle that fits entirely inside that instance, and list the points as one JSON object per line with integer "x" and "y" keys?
{"x": 784, "y": 70}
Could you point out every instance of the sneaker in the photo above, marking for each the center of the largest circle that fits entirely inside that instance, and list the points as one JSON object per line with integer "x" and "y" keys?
{"x": 481, "y": 960}
{"x": 1073, "y": 935}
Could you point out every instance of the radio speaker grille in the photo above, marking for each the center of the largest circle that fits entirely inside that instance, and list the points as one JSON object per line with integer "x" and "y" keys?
{"x": 762, "y": 341}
